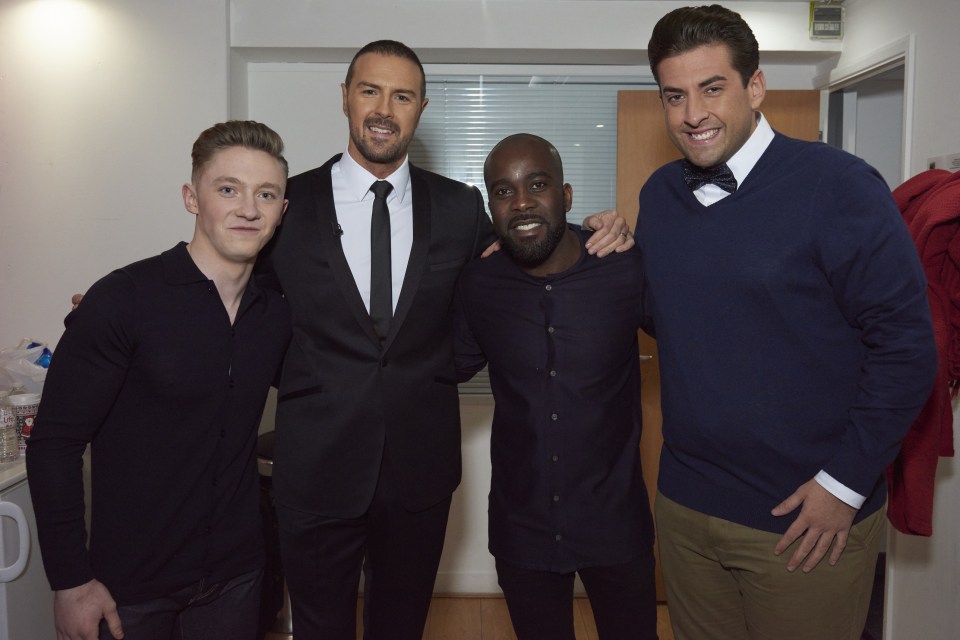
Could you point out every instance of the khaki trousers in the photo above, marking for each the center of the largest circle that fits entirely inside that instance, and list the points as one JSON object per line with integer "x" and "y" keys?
{"x": 723, "y": 581}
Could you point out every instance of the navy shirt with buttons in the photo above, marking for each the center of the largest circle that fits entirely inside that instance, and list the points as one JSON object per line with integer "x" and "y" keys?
{"x": 151, "y": 372}
{"x": 566, "y": 490}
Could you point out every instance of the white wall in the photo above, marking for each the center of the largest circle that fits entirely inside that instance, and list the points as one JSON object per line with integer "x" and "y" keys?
{"x": 99, "y": 105}
{"x": 879, "y": 103}
{"x": 923, "y": 577}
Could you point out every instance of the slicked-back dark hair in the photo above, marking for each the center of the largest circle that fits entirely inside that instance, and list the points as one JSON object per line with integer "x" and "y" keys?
{"x": 390, "y": 48}
{"x": 687, "y": 28}
{"x": 236, "y": 133}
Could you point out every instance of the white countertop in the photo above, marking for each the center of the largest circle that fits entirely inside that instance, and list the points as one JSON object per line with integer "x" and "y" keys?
{"x": 11, "y": 473}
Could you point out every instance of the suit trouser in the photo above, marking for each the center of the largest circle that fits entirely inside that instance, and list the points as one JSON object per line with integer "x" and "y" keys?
{"x": 723, "y": 581}
{"x": 399, "y": 552}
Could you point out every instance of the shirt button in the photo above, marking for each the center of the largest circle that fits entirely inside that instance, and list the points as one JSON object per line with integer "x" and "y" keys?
{"x": 553, "y": 374}
{"x": 549, "y": 287}
{"x": 550, "y": 329}
{"x": 554, "y": 457}
{"x": 558, "y": 537}
{"x": 554, "y": 417}
{"x": 556, "y": 498}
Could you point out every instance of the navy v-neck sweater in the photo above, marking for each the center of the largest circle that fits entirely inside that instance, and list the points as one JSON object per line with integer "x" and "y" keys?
{"x": 793, "y": 331}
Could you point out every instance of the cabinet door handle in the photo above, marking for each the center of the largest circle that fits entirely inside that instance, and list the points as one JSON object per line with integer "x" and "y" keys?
{"x": 11, "y": 573}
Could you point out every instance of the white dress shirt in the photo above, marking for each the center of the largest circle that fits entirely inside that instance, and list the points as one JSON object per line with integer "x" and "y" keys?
{"x": 353, "y": 201}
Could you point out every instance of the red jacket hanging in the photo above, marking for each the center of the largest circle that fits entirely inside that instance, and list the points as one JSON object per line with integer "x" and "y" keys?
{"x": 930, "y": 204}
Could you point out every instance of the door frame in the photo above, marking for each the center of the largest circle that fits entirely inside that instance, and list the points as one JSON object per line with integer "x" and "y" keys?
{"x": 900, "y": 52}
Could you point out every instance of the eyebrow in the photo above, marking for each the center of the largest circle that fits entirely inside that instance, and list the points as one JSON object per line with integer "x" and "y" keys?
{"x": 537, "y": 174}
{"x": 238, "y": 181}
{"x": 227, "y": 179}
{"x": 530, "y": 176}
{"x": 700, "y": 85}
{"x": 371, "y": 85}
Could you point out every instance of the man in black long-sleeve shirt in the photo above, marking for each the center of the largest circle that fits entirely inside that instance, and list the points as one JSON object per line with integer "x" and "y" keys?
{"x": 164, "y": 369}
{"x": 558, "y": 328}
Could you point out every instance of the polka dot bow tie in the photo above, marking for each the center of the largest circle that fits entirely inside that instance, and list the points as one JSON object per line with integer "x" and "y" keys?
{"x": 720, "y": 175}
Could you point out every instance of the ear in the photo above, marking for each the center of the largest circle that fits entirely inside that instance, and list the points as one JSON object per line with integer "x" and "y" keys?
{"x": 343, "y": 90}
{"x": 423, "y": 105}
{"x": 283, "y": 211}
{"x": 757, "y": 86}
{"x": 567, "y": 197}
{"x": 190, "y": 201}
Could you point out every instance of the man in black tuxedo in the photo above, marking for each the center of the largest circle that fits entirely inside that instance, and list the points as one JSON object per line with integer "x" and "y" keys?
{"x": 367, "y": 451}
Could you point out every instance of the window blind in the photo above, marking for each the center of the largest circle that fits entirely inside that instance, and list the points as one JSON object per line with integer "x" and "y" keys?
{"x": 468, "y": 115}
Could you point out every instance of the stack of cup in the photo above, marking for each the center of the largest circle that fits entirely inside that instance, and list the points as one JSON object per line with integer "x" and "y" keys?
{"x": 9, "y": 441}
{"x": 24, "y": 406}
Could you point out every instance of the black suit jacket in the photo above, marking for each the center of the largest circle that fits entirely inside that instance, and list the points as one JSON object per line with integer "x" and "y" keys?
{"x": 344, "y": 402}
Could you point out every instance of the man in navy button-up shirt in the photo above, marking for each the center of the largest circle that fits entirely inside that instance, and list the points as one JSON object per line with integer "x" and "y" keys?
{"x": 558, "y": 328}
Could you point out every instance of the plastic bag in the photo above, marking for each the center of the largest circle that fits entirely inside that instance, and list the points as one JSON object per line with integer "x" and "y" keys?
{"x": 24, "y": 366}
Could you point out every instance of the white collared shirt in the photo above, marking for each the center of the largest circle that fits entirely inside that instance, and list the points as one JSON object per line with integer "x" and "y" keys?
{"x": 354, "y": 205}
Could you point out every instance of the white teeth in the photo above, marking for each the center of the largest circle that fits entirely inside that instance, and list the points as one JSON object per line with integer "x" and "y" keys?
{"x": 528, "y": 226}
{"x": 378, "y": 130}
{"x": 706, "y": 135}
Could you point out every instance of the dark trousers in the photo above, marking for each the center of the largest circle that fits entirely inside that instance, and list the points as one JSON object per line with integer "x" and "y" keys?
{"x": 399, "y": 552}
{"x": 225, "y": 610}
{"x": 623, "y": 598}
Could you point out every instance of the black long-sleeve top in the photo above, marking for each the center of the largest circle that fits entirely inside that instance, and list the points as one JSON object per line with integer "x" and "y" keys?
{"x": 151, "y": 372}
{"x": 566, "y": 489}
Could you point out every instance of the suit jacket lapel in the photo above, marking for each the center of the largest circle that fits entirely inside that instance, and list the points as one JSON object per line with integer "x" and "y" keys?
{"x": 418, "y": 251}
{"x": 327, "y": 225}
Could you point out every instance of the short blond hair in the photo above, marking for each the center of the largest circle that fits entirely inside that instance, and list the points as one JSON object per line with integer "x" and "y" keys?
{"x": 236, "y": 133}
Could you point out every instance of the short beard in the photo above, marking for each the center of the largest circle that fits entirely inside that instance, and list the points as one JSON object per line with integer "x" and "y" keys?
{"x": 380, "y": 154}
{"x": 533, "y": 253}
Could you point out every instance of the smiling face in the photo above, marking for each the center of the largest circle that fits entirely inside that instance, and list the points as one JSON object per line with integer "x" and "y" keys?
{"x": 238, "y": 201}
{"x": 529, "y": 203}
{"x": 708, "y": 112}
{"x": 383, "y": 105}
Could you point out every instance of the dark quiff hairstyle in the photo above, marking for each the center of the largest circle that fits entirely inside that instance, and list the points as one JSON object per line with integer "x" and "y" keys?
{"x": 236, "y": 133}
{"x": 691, "y": 27}
{"x": 390, "y": 48}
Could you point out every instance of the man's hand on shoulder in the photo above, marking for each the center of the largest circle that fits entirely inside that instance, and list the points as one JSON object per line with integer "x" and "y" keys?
{"x": 611, "y": 233}
{"x": 824, "y": 520}
{"x": 75, "y": 300}
{"x": 492, "y": 249}
{"x": 77, "y": 612}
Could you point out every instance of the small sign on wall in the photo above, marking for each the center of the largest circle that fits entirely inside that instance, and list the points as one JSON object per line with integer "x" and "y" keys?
{"x": 826, "y": 20}
{"x": 950, "y": 162}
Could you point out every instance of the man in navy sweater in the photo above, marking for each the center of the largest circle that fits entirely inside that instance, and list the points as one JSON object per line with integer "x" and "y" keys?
{"x": 795, "y": 350}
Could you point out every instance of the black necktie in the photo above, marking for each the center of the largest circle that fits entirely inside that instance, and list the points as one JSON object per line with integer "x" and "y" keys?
{"x": 720, "y": 175}
{"x": 381, "y": 282}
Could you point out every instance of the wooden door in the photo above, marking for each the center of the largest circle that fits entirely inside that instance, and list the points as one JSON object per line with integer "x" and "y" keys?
{"x": 642, "y": 148}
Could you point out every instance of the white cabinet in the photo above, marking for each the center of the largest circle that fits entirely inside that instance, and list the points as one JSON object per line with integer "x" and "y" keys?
{"x": 26, "y": 602}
